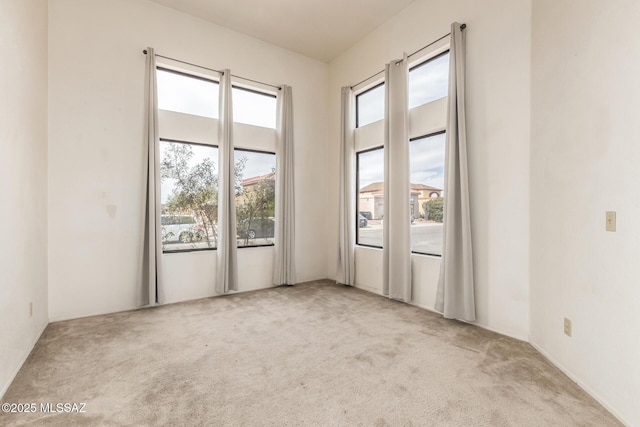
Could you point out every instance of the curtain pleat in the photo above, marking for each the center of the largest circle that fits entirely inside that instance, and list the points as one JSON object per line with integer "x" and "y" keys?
{"x": 345, "y": 272}
{"x": 397, "y": 221}
{"x": 284, "y": 271}
{"x": 455, "y": 297}
{"x": 151, "y": 291}
{"x": 227, "y": 263}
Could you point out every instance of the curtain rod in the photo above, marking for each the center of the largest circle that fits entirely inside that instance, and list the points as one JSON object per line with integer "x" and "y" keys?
{"x": 462, "y": 27}
{"x": 211, "y": 69}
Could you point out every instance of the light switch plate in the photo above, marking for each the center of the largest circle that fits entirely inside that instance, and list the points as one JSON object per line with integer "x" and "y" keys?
{"x": 611, "y": 221}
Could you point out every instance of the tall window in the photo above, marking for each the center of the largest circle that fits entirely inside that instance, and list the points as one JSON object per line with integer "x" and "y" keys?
{"x": 255, "y": 175}
{"x": 184, "y": 93}
{"x": 370, "y": 194}
{"x": 189, "y": 196}
{"x": 189, "y": 173}
{"x": 427, "y": 193}
{"x": 370, "y": 106}
{"x": 429, "y": 81}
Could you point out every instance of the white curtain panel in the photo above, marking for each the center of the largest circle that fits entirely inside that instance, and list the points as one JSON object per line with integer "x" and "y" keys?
{"x": 284, "y": 271}
{"x": 151, "y": 291}
{"x": 227, "y": 253}
{"x": 455, "y": 297}
{"x": 397, "y": 221}
{"x": 346, "y": 270}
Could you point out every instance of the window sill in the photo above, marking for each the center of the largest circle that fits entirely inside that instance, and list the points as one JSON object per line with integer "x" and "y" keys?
{"x": 181, "y": 251}
{"x": 360, "y": 245}
{"x": 422, "y": 254}
{"x": 257, "y": 246}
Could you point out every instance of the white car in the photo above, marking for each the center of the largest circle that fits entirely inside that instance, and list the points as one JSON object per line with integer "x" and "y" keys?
{"x": 181, "y": 228}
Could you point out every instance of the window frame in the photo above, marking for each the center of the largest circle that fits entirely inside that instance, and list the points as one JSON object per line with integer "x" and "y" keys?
{"x": 431, "y": 58}
{"x": 186, "y": 74}
{"x": 376, "y": 86}
{"x": 178, "y": 251}
{"x": 251, "y": 150}
{"x": 256, "y": 91}
{"x": 429, "y": 135}
{"x": 357, "y": 223}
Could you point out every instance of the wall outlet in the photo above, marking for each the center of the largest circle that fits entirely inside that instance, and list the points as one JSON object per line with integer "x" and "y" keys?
{"x": 30, "y": 309}
{"x": 611, "y": 221}
{"x": 567, "y": 327}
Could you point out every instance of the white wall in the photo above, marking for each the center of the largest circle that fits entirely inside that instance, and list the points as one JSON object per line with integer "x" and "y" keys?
{"x": 498, "y": 114}
{"x": 96, "y": 77}
{"x": 23, "y": 181}
{"x": 585, "y": 152}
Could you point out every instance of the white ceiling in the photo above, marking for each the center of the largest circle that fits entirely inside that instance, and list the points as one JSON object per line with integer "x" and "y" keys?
{"x": 320, "y": 29}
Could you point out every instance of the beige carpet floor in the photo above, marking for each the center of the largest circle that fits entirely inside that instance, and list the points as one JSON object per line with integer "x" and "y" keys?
{"x": 314, "y": 354}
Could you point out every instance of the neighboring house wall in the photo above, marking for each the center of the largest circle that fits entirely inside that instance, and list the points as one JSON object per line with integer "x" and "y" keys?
{"x": 415, "y": 204}
{"x": 373, "y": 201}
{"x": 378, "y": 209}
{"x": 367, "y": 203}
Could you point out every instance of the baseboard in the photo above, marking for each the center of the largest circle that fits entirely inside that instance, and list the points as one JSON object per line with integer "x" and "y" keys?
{"x": 369, "y": 289}
{"x": 499, "y": 331}
{"x": 55, "y": 319}
{"x": 580, "y": 383}
{"x": 25, "y": 356}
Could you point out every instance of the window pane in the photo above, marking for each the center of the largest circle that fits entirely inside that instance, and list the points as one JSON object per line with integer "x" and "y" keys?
{"x": 189, "y": 196}
{"x": 255, "y": 197}
{"x": 429, "y": 81}
{"x": 185, "y": 94}
{"x": 427, "y": 194}
{"x": 370, "y": 106}
{"x": 254, "y": 108}
{"x": 370, "y": 204}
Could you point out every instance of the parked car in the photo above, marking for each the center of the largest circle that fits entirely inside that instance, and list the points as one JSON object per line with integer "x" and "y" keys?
{"x": 367, "y": 215}
{"x": 256, "y": 228}
{"x": 181, "y": 228}
{"x": 362, "y": 221}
